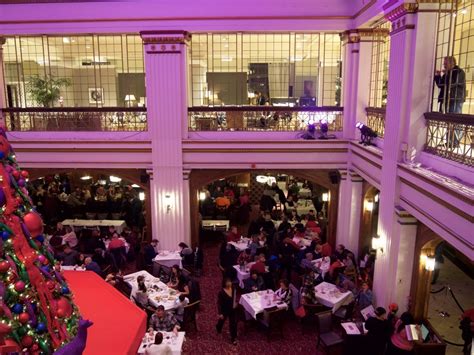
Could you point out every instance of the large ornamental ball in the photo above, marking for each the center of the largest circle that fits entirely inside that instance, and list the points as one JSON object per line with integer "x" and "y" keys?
{"x": 2, "y": 197}
{"x": 5, "y": 328}
{"x": 16, "y": 174}
{"x": 64, "y": 304}
{"x": 64, "y": 290}
{"x": 9, "y": 169}
{"x": 4, "y": 266}
{"x": 19, "y": 286}
{"x": 24, "y": 174}
{"x": 27, "y": 341}
{"x": 12, "y": 344}
{"x": 24, "y": 318}
{"x": 41, "y": 259}
{"x": 40, "y": 239}
{"x": 50, "y": 284}
{"x": 5, "y": 235}
{"x": 41, "y": 327}
{"x": 61, "y": 313}
{"x": 21, "y": 182}
{"x": 34, "y": 223}
{"x": 17, "y": 308}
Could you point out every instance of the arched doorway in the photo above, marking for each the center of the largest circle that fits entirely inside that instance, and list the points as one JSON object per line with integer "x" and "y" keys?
{"x": 129, "y": 182}
{"x": 200, "y": 178}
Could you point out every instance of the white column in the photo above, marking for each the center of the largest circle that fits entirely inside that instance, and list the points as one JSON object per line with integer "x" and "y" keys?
{"x": 166, "y": 85}
{"x": 3, "y": 101}
{"x": 343, "y": 207}
{"x": 406, "y": 227}
{"x": 355, "y": 212}
{"x": 357, "y": 47}
{"x": 403, "y": 118}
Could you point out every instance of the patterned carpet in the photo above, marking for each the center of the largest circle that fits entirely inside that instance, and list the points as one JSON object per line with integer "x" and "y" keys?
{"x": 251, "y": 338}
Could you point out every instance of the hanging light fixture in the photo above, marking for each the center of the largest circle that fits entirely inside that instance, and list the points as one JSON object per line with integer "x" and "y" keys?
{"x": 86, "y": 177}
{"x": 114, "y": 178}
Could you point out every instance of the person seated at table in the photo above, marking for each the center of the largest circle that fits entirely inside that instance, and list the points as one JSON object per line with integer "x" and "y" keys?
{"x": 316, "y": 249}
{"x": 346, "y": 285}
{"x": 312, "y": 225}
{"x": 149, "y": 252}
{"x": 182, "y": 287}
{"x": 116, "y": 242}
{"x": 350, "y": 271}
{"x": 174, "y": 276}
{"x": 341, "y": 252}
{"x": 186, "y": 253}
{"x": 141, "y": 296}
{"x": 92, "y": 266}
{"x": 158, "y": 348}
{"x": 254, "y": 244}
{"x": 164, "y": 321}
{"x": 378, "y": 331}
{"x": 181, "y": 302}
{"x": 399, "y": 343}
{"x": 284, "y": 292}
{"x": 259, "y": 265}
{"x": 233, "y": 235}
{"x": 69, "y": 256}
{"x": 290, "y": 206}
{"x": 293, "y": 216}
{"x": 110, "y": 232}
{"x": 334, "y": 269}
{"x": 70, "y": 237}
{"x": 244, "y": 257}
{"x": 392, "y": 314}
{"x": 56, "y": 242}
{"x": 308, "y": 294}
{"x": 326, "y": 249}
{"x": 307, "y": 262}
{"x": 365, "y": 296}
{"x": 254, "y": 283}
{"x": 284, "y": 225}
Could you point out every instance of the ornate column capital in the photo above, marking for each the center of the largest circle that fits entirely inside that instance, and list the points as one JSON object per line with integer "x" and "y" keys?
{"x": 158, "y": 42}
{"x": 398, "y": 15}
{"x": 364, "y": 35}
{"x": 355, "y": 177}
{"x": 404, "y": 217}
{"x": 343, "y": 173}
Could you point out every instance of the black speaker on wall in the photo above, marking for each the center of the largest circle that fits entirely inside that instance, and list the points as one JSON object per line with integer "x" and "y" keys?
{"x": 335, "y": 177}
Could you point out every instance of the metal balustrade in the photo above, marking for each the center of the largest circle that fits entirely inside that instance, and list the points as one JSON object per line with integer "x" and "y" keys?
{"x": 376, "y": 120}
{"x": 75, "y": 119}
{"x": 262, "y": 118}
{"x": 450, "y": 136}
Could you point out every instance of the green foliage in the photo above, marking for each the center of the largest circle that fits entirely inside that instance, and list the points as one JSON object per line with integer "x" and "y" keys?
{"x": 45, "y": 91}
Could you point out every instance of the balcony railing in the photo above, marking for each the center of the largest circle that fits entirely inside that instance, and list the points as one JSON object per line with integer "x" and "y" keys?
{"x": 262, "y": 118}
{"x": 76, "y": 119}
{"x": 376, "y": 120}
{"x": 450, "y": 136}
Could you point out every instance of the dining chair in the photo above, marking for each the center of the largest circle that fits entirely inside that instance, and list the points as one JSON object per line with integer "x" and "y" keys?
{"x": 327, "y": 337}
{"x": 189, "y": 316}
{"x": 273, "y": 320}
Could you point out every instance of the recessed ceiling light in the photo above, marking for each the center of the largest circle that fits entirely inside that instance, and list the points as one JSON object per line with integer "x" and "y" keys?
{"x": 66, "y": 40}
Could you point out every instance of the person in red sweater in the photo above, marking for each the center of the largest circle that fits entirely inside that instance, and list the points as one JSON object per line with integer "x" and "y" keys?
{"x": 116, "y": 242}
{"x": 233, "y": 235}
{"x": 259, "y": 265}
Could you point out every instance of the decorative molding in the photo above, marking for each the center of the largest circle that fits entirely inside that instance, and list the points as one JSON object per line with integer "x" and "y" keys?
{"x": 404, "y": 217}
{"x": 377, "y": 165}
{"x": 400, "y": 11}
{"x": 355, "y": 177}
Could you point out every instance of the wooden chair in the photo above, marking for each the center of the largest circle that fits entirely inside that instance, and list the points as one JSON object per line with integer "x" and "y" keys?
{"x": 327, "y": 337}
{"x": 272, "y": 320}
{"x": 189, "y": 316}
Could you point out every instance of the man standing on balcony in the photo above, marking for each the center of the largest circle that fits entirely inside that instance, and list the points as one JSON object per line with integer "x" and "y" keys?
{"x": 452, "y": 94}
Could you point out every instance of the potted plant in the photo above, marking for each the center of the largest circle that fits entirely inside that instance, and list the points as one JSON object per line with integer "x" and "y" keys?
{"x": 45, "y": 91}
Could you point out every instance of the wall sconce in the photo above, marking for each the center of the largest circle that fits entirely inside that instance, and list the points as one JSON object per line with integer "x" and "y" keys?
{"x": 376, "y": 198}
{"x": 325, "y": 197}
{"x": 377, "y": 243}
{"x": 430, "y": 263}
{"x": 141, "y": 196}
{"x": 168, "y": 203}
{"x": 202, "y": 196}
{"x": 369, "y": 206}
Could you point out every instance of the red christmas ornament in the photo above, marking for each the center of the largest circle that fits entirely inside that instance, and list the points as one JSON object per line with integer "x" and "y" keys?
{"x": 11, "y": 344}
{"x": 64, "y": 304}
{"x": 19, "y": 200}
{"x": 34, "y": 223}
{"x": 5, "y": 329}
{"x": 27, "y": 341}
{"x": 24, "y": 318}
{"x": 4, "y": 266}
{"x": 19, "y": 286}
{"x": 50, "y": 285}
{"x": 61, "y": 312}
{"x": 35, "y": 347}
{"x": 25, "y": 174}
{"x": 16, "y": 174}
{"x": 41, "y": 259}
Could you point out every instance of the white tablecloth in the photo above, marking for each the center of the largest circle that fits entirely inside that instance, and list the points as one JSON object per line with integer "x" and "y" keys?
{"x": 241, "y": 245}
{"x": 158, "y": 292}
{"x": 304, "y": 206}
{"x": 323, "y": 264}
{"x": 176, "y": 345}
{"x": 242, "y": 274}
{"x": 215, "y": 223}
{"x": 255, "y": 302}
{"x": 304, "y": 193}
{"x": 302, "y": 242}
{"x": 329, "y": 295}
{"x": 168, "y": 258}
{"x": 72, "y": 268}
{"x": 90, "y": 223}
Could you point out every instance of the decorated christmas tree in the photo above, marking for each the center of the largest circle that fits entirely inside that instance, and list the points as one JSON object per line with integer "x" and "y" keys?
{"x": 37, "y": 313}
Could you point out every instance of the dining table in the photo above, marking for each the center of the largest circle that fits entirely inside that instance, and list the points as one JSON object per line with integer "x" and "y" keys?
{"x": 119, "y": 225}
{"x": 215, "y": 224}
{"x": 330, "y": 296}
{"x": 322, "y": 264}
{"x": 158, "y": 292}
{"x": 168, "y": 258}
{"x": 241, "y": 244}
{"x": 243, "y": 272}
{"x": 256, "y": 302}
{"x": 174, "y": 341}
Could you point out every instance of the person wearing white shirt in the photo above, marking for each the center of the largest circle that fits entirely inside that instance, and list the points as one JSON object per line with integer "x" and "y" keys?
{"x": 158, "y": 348}
{"x": 70, "y": 237}
{"x": 181, "y": 302}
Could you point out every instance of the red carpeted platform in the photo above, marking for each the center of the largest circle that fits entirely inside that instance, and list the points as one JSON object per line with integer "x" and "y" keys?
{"x": 119, "y": 325}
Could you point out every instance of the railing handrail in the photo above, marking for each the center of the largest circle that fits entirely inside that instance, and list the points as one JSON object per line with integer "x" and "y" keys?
{"x": 450, "y": 117}
{"x": 264, "y": 108}
{"x": 377, "y": 110}
{"x": 72, "y": 109}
